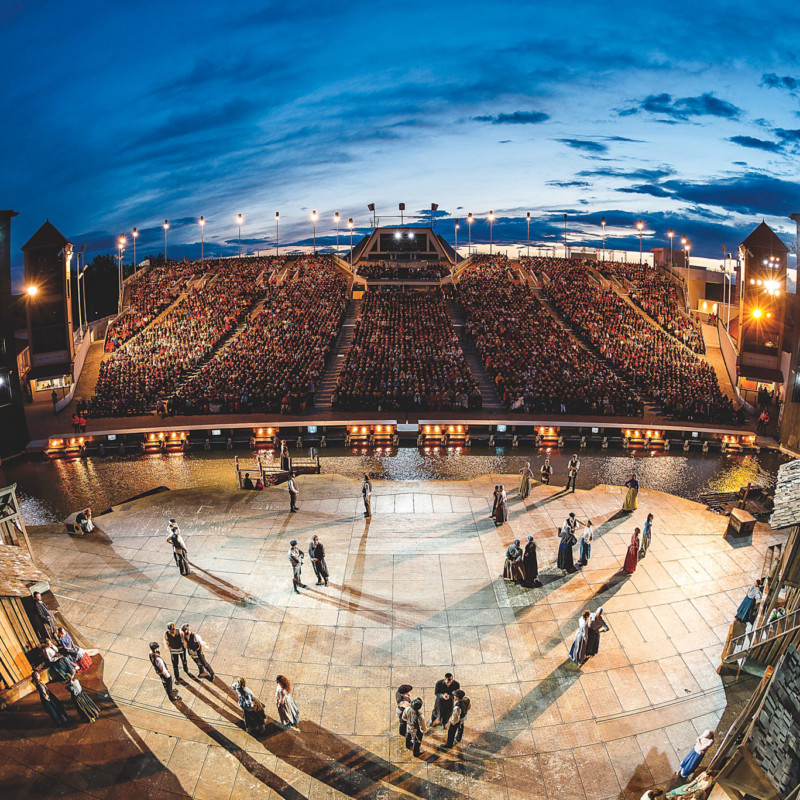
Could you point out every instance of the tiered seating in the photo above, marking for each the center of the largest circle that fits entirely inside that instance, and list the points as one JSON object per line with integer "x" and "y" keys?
{"x": 149, "y": 365}
{"x": 150, "y": 293}
{"x": 655, "y": 364}
{"x": 405, "y": 355}
{"x": 275, "y": 362}
{"x": 383, "y": 270}
{"x": 535, "y": 365}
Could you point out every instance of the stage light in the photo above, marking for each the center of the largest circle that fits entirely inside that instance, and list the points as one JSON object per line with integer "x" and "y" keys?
{"x": 756, "y": 313}
{"x": 32, "y": 291}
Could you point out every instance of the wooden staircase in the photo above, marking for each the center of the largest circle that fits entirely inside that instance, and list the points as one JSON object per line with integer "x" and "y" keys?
{"x": 330, "y": 376}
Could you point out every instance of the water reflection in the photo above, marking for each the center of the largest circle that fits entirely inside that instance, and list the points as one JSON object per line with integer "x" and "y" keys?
{"x": 50, "y": 490}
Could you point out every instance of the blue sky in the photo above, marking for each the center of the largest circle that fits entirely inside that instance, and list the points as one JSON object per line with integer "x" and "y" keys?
{"x": 119, "y": 115}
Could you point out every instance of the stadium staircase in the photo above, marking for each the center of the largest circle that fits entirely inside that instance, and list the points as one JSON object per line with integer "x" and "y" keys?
{"x": 489, "y": 397}
{"x": 330, "y": 376}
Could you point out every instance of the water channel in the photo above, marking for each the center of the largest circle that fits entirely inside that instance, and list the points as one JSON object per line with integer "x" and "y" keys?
{"x": 51, "y": 490}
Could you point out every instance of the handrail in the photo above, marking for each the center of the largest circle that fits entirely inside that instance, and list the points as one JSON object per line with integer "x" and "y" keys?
{"x": 762, "y": 635}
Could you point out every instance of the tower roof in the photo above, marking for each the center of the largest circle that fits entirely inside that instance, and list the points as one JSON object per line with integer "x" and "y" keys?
{"x": 47, "y": 236}
{"x": 764, "y": 238}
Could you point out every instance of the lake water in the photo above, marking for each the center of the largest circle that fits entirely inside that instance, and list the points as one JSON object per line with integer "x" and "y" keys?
{"x": 51, "y": 490}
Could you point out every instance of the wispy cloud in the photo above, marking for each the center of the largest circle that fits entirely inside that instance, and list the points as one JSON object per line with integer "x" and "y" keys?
{"x": 786, "y": 82}
{"x": 683, "y": 108}
{"x": 756, "y": 144}
{"x": 514, "y": 118}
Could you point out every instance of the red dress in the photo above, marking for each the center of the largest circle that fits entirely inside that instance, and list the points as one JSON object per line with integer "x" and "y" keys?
{"x": 632, "y": 556}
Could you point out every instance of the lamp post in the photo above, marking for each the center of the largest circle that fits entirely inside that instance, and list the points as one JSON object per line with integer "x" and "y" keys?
{"x": 166, "y": 228}
{"x": 135, "y": 235}
{"x": 350, "y": 225}
{"x": 314, "y": 220}
{"x": 491, "y": 227}
{"x": 120, "y": 246}
{"x": 336, "y": 220}
{"x": 670, "y": 233}
{"x": 277, "y": 222}
{"x": 402, "y": 207}
{"x": 469, "y": 229}
{"x": 528, "y": 248}
{"x": 202, "y": 223}
{"x": 640, "y": 228}
{"x": 456, "y": 226}
{"x": 603, "y": 223}
{"x": 565, "y": 236}
{"x": 686, "y": 250}
{"x": 239, "y": 221}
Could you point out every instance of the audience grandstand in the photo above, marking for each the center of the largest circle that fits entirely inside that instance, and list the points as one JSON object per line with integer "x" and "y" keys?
{"x": 405, "y": 355}
{"x": 534, "y": 363}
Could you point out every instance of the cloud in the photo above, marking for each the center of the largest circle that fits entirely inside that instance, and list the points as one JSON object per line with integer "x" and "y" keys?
{"x": 785, "y": 82}
{"x": 756, "y": 144}
{"x": 588, "y": 145}
{"x": 684, "y": 108}
{"x": 791, "y": 136}
{"x": 641, "y": 174}
{"x": 515, "y": 118}
{"x": 568, "y": 184}
{"x": 646, "y": 188}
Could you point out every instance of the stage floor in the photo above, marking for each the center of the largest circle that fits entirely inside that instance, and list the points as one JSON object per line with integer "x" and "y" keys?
{"x": 415, "y": 592}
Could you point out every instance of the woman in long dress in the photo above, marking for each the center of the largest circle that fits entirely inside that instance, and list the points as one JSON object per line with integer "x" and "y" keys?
{"x": 568, "y": 540}
{"x": 496, "y": 501}
{"x": 596, "y": 624}
{"x": 696, "y": 788}
{"x": 587, "y": 538}
{"x": 530, "y": 563}
{"x": 84, "y": 704}
{"x": 577, "y": 652}
{"x": 647, "y": 536}
{"x": 501, "y": 516}
{"x": 693, "y": 758}
{"x": 60, "y": 666}
{"x": 52, "y": 705}
{"x": 631, "y": 502}
{"x": 252, "y": 709}
{"x": 632, "y": 556}
{"x": 512, "y": 570}
{"x": 288, "y": 712}
{"x": 525, "y": 482}
{"x": 747, "y": 608}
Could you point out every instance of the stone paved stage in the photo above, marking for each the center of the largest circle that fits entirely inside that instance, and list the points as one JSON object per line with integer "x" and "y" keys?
{"x": 414, "y": 593}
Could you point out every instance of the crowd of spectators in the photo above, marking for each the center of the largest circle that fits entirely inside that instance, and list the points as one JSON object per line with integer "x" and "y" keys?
{"x": 147, "y": 367}
{"x": 534, "y": 363}
{"x": 384, "y": 270}
{"x": 405, "y": 355}
{"x": 147, "y": 295}
{"x": 655, "y": 364}
{"x": 650, "y": 289}
{"x": 275, "y": 362}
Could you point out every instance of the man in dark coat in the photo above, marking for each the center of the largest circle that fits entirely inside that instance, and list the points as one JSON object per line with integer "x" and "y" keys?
{"x": 530, "y": 563}
{"x": 316, "y": 552}
{"x": 443, "y": 707}
{"x": 45, "y": 616}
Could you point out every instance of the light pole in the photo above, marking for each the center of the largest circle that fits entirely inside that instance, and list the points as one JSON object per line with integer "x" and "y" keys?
{"x": 135, "y": 235}
{"x": 314, "y": 220}
{"x": 277, "y": 222}
{"x": 565, "y": 236}
{"x": 239, "y": 221}
{"x": 528, "y": 248}
{"x": 491, "y": 227}
{"x": 120, "y": 246}
{"x": 336, "y": 220}
{"x": 640, "y": 228}
{"x": 670, "y": 233}
{"x": 166, "y": 228}
{"x": 686, "y": 251}
{"x": 469, "y": 229}
{"x": 202, "y": 223}
{"x": 603, "y": 223}
{"x": 350, "y": 225}
{"x": 456, "y": 226}
{"x": 402, "y": 207}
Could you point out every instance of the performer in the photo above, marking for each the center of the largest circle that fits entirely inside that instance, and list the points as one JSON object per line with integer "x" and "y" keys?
{"x": 572, "y": 472}
{"x": 443, "y": 707}
{"x": 577, "y": 652}
{"x": 402, "y": 700}
{"x": 586, "y": 543}
{"x": 52, "y": 705}
{"x": 632, "y": 556}
{"x": 530, "y": 563}
{"x": 647, "y": 536}
{"x": 179, "y": 551}
{"x": 252, "y": 709}
{"x": 197, "y": 650}
{"x": 568, "y": 541}
{"x": 513, "y": 571}
{"x": 525, "y": 482}
{"x": 458, "y": 718}
{"x": 366, "y": 493}
{"x": 316, "y": 552}
{"x": 747, "y": 608}
{"x": 296, "y": 556}
{"x": 293, "y": 492}
{"x": 288, "y": 712}
{"x": 546, "y": 471}
{"x": 631, "y": 502}
{"x": 501, "y": 514}
{"x": 693, "y": 758}
{"x": 596, "y": 624}
{"x": 45, "y": 616}
{"x": 286, "y": 459}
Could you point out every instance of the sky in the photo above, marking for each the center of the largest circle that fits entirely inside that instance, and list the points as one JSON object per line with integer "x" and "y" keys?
{"x": 685, "y": 115}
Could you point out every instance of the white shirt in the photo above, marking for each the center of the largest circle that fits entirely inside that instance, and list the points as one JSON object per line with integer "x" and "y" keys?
{"x": 574, "y": 466}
